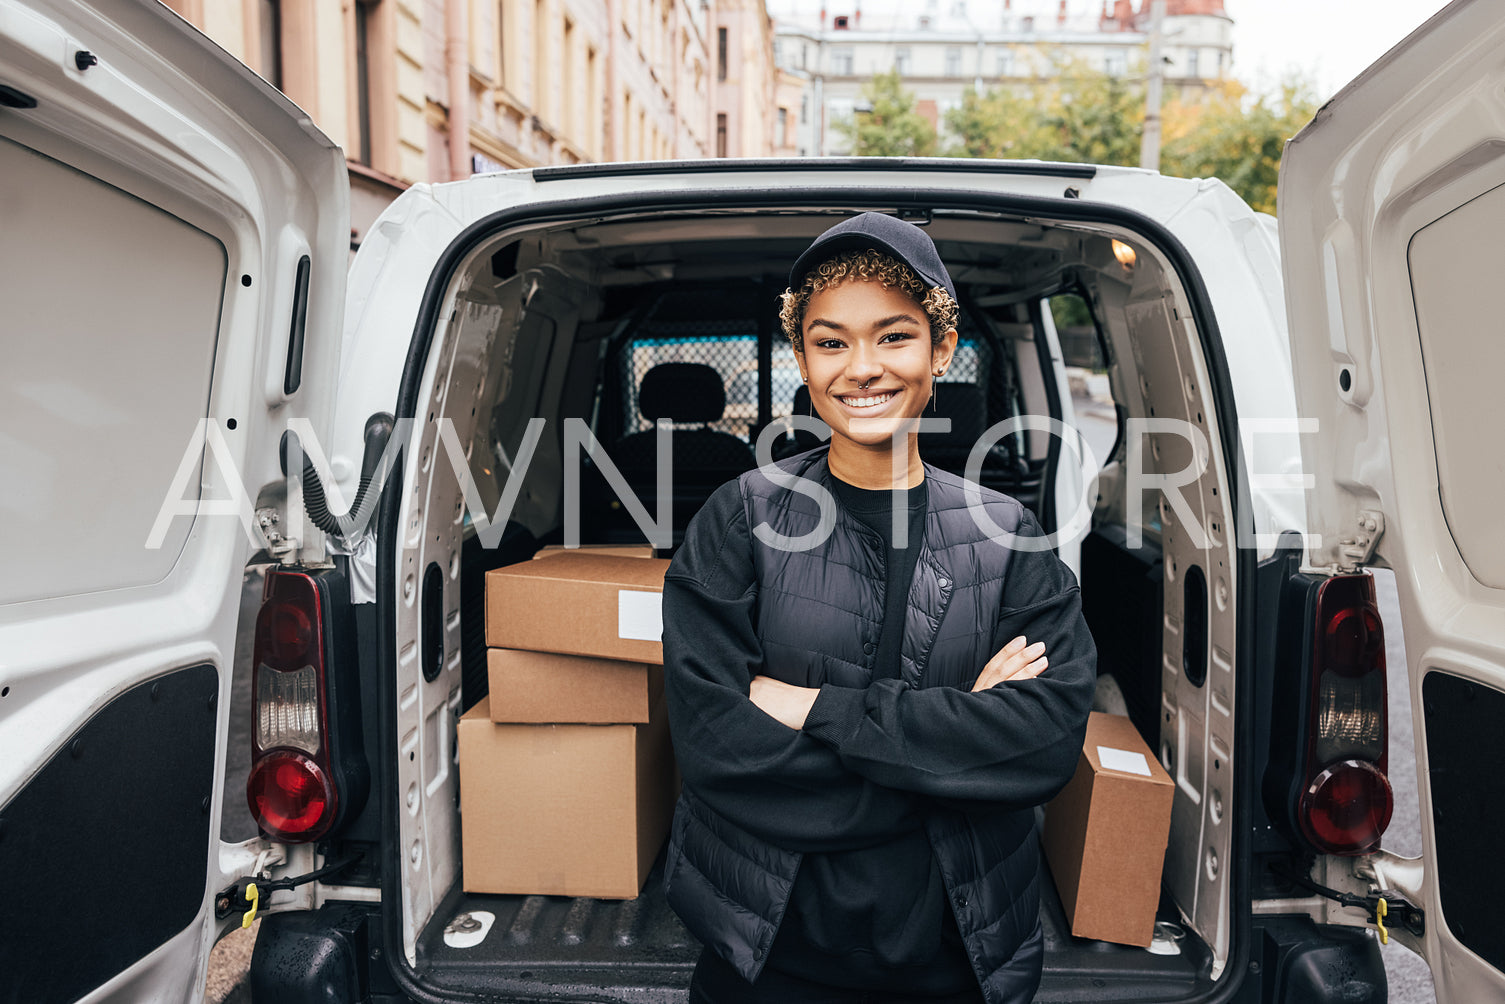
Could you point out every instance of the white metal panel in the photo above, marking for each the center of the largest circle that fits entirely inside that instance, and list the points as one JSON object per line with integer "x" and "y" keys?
{"x": 1385, "y": 192}
{"x": 109, "y": 358}
{"x": 187, "y": 155}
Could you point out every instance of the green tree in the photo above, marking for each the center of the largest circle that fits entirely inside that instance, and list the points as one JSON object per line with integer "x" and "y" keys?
{"x": 890, "y": 126}
{"x": 1236, "y": 137}
{"x": 1076, "y": 114}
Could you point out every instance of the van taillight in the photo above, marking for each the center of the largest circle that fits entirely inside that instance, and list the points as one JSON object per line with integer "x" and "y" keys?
{"x": 1345, "y": 800}
{"x": 291, "y": 796}
{"x": 290, "y": 790}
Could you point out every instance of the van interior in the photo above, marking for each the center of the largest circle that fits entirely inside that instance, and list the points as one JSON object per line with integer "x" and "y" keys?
{"x": 618, "y": 321}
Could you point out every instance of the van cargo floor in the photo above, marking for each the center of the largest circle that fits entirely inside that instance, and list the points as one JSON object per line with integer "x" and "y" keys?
{"x": 554, "y": 948}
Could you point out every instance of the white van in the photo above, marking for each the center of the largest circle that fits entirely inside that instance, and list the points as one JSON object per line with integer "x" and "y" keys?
{"x": 175, "y": 303}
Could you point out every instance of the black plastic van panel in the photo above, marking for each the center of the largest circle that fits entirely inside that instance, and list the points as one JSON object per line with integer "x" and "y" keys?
{"x": 104, "y": 853}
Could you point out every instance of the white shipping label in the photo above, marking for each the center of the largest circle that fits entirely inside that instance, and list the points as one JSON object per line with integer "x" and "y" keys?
{"x": 1128, "y": 761}
{"x": 640, "y": 615}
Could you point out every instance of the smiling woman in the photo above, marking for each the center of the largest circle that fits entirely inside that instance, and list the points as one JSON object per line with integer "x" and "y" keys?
{"x": 862, "y": 711}
{"x": 871, "y": 360}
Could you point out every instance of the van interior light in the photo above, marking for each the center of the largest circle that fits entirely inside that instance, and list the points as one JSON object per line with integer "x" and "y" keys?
{"x": 1125, "y": 254}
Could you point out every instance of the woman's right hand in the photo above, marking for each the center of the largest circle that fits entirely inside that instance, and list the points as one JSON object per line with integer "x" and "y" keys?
{"x": 1015, "y": 661}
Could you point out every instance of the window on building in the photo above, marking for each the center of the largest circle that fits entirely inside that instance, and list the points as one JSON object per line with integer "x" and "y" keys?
{"x": 1115, "y": 63}
{"x": 721, "y": 134}
{"x": 840, "y": 23}
{"x": 959, "y": 8}
{"x": 1003, "y": 64}
{"x": 804, "y": 108}
{"x": 924, "y": 22}
{"x": 783, "y": 127}
{"x": 901, "y": 61}
{"x": 270, "y": 25}
{"x": 841, "y": 62}
{"x": 1028, "y": 24}
{"x": 1192, "y": 68}
{"x": 720, "y": 53}
{"x": 953, "y": 61}
{"x": 1221, "y": 56}
{"x": 362, "y": 83}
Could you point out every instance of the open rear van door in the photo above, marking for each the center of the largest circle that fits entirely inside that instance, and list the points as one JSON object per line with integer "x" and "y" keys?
{"x": 173, "y": 240}
{"x": 1392, "y": 220}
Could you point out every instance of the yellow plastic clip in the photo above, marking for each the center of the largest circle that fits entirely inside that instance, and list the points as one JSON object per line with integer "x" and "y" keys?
{"x": 1380, "y": 909}
{"x": 254, "y": 898}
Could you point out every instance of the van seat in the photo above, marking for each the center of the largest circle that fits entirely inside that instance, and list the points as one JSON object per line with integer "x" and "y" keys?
{"x": 703, "y": 458}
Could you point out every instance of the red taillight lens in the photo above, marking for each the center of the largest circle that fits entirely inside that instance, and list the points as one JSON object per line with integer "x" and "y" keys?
{"x": 290, "y": 790}
{"x": 1345, "y": 803}
{"x": 291, "y": 796}
{"x": 1345, "y": 809}
{"x": 287, "y": 633}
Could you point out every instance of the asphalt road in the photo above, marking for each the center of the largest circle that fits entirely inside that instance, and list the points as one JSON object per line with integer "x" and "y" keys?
{"x": 1410, "y": 979}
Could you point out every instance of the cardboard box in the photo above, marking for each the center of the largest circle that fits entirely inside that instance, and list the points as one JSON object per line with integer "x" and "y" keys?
{"x": 1105, "y": 835}
{"x": 563, "y": 810}
{"x": 620, "y": 550}
{"x": 599, "y": 605}
{"x": 547, "y": 687}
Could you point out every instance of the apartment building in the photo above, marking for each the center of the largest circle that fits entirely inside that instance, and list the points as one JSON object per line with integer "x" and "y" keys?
{"x": 943, "y": 47}
{"x": 434, "y": 90}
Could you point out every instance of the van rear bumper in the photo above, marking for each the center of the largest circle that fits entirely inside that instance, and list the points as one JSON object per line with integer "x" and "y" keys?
{"x": 1295, "y": 960}
{"x": 328, "y": 955}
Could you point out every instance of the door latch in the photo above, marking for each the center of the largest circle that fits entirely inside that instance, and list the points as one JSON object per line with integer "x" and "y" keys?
{"x": 1379, "y": 907}
{"x": 1388, "y": 903}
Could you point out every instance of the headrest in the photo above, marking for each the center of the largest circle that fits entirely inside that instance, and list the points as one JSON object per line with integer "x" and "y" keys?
{"x": 966, "y": 405}
{"x": 682, "y": 392}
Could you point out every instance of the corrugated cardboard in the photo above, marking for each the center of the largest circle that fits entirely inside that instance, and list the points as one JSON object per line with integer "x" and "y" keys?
{"x": 620, "y": 550}
{"x": 1105, "y": 836}
{"x": 548, "y": 687}
{"x": 563, "y": 810}
{"x": 599, "y": 605}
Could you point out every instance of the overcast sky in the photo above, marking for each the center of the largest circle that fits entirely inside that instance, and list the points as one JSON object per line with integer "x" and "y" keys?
{"x": 1330, "y": 41}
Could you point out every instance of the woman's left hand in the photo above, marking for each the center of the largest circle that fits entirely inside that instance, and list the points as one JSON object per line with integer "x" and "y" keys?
{"x": 783, "y": 701}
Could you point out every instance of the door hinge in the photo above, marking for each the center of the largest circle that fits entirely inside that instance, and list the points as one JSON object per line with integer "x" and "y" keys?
{"x": 1356, "y": 550}
{"x": 280, "y": 548}
{"x": 248, "y": 894}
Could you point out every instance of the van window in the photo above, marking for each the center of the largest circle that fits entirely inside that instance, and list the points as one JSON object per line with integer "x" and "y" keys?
{"x": 1452, "y": 261}
{"x": 109, "y": 360}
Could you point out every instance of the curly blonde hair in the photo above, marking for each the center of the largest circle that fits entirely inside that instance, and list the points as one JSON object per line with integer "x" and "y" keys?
{"x": 871, "y": 266}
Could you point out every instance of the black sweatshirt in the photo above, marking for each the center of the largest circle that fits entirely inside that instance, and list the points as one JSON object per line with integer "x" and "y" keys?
{"x": 877, "y": 917}
{"x": 852, "y": 789}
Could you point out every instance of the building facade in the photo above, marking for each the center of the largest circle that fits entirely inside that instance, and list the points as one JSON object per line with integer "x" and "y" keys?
{"x": 520, "y": 83}
{"x": 941, "y": 48}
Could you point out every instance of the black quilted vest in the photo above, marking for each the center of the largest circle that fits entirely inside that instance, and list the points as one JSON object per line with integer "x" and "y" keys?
{"x": 822, "y": 623}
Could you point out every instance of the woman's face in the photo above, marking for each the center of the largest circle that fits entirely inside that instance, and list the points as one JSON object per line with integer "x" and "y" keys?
{"x": 861, "y": 334}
